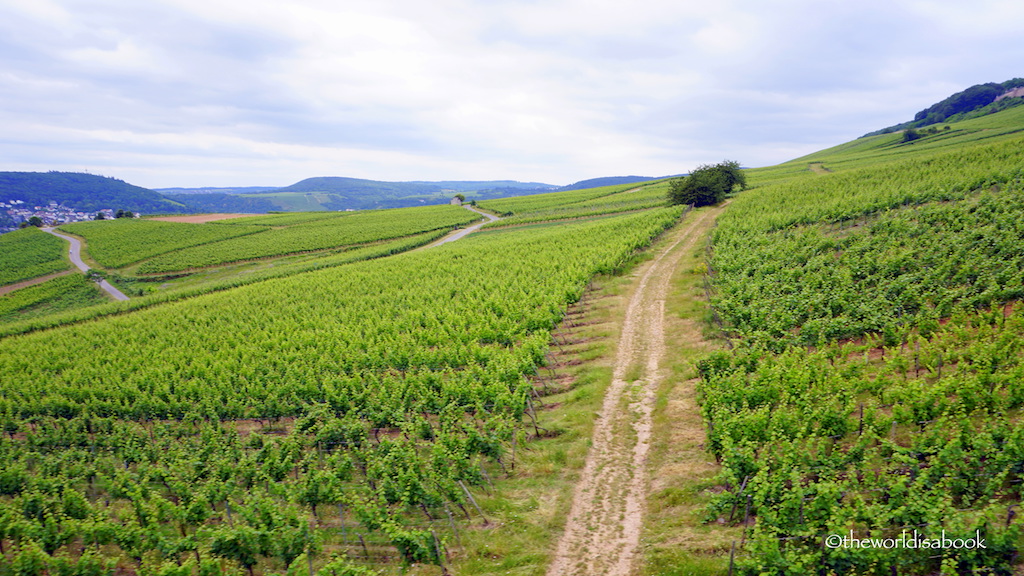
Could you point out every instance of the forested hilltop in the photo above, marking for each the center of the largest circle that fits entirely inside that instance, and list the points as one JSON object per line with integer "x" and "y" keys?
{"x": 975, "y": 101}
{"x": 86, "y": 192}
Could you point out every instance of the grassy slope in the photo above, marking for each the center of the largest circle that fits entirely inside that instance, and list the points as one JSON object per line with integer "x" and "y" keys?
{"x": 975, "y": 154}
{"x": 876, "y": 150}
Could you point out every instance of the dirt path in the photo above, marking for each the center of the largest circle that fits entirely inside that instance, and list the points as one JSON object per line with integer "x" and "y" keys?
{"x": 463, "y": 232}
{"x": 602, "y": 534}
{"x": 75, "y": 253}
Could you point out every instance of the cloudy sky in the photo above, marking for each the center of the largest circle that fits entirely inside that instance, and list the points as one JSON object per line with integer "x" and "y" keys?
{"x": 166, "y": 93}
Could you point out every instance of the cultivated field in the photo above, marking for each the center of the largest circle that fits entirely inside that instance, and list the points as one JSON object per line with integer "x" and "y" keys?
{"x": 596, "y": 383}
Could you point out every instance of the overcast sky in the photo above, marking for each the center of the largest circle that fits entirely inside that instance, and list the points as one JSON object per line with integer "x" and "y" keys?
{"x": 166, "y": 93}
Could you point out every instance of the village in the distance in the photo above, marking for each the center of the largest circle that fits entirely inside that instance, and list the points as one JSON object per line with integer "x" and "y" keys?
{"x": 19, "y": 214}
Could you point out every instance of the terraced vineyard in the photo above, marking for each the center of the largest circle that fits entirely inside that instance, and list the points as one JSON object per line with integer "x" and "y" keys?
{"x": 124, "y": 241}
{"x": 390, "y": 381}
{"x": 318, "y": 234}
{"x": 579, "y": 204}
{"x": 30, "y": 253}
{"x": 303, "y": 393}
{"x": 875, "y": 383}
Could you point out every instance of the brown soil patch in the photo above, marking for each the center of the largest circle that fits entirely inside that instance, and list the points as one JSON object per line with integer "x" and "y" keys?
{"x": 201, "y": 218}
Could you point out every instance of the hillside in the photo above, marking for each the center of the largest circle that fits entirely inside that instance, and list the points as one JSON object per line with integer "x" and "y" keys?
{"x": 85, "y": 192}
{"x": 835, "y": 352}
{"x": 871, "y": 296}
{"x": 975, "y": 101}
{"x": 334, "y": 193}
{"x": 340, "y": 193}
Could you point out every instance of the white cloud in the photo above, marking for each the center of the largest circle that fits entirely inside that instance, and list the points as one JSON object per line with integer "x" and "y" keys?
{"x": 260, "y": 92}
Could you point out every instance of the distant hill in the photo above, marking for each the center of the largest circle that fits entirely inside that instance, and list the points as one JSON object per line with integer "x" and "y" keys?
{"x": 357, "y": 193}
{"x": 975, "y": 101}
{"x": 607, "y": 181}
{"x": 341, "y": 193}
{"x": 86, "y": 192}
{"x": 215, "y": 190}
{"x": 221, "y": 202}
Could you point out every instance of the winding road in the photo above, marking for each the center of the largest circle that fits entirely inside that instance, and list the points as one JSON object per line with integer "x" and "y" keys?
{"x": 461, "y": 233}
{"x": 75, "y": 253}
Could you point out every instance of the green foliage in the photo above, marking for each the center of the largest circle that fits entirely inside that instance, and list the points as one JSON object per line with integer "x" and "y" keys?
{"x": 707, "y": 184}
{"x": 223, "y": 203}
{"x": 560, "y": 200}
{"x": 635, "y": 198}
{"x": 62, "y": 293}
{"x": 909, "y": 135}
{"x": 960, "y": 106}
{"x": 343, "y": 567}
{"x": 85, "y": 192}
{"x": 404, "y": 374}
{"x": 243, "y": 545}
{"x": 75, "y": 314}
{"x": 874, "y": 376}
{"x": 29, "y": 253}
{"x": 321, "y": 234}
{"x": 125, "y": 241}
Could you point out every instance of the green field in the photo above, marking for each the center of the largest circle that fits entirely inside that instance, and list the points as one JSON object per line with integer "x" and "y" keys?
{"x": 70, "y": 291}
{"x": 321, "y": 234}
{"x": 30, "y": 253}
{"x": 295, "y": 201}
{"x": 875, "y": 379}
{"x": 392, "y": 381}
{"x": 307, "y": 394}
{"x": 118, "y": 243}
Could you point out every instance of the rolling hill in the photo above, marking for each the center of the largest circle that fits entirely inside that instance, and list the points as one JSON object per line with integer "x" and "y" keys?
{"x": 85, "y": 192}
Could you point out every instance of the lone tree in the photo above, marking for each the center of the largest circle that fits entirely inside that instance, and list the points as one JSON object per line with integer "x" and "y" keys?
{"x": 708, "y": 184}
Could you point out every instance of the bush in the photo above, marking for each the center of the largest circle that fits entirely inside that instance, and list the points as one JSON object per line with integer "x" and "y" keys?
{"x": 708, "y": 184}
{"x": 910, "y": 135}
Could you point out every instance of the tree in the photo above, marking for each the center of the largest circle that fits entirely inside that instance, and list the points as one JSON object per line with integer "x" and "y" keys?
{"x": 707, "y": 184}
{"x": 100, "y": 216}
{"x": 35, "y": 221}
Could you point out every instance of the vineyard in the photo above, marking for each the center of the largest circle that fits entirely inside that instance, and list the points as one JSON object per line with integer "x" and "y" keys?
{"x": 188, "y": 286}
{"x": 309, "y": 393}
{"x": 30, "y": 253}
{"x": 70, "y": 291}
{"x": 874, "y": 383}
{"x": 320, "y": 234}
{"x": 569, "y": 205}
{"x": 322, "y": 418}
{"x": 117, "y": 243}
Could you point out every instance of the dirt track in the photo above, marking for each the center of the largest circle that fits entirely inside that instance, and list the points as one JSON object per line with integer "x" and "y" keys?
{"x": 602, "y": 534}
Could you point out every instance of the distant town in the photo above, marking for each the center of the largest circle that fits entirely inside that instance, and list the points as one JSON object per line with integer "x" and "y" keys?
{"x": 53, "y": 214}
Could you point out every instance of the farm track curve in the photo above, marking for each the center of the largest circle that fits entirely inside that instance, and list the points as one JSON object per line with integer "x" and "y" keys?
{"x": 75, "y": 254}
